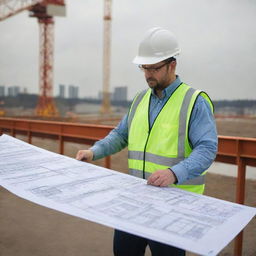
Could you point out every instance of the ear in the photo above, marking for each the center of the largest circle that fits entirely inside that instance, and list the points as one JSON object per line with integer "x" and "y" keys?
{"x": 173, "y": 64}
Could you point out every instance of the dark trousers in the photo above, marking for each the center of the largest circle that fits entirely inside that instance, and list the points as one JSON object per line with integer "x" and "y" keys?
{"x": 126, "y": 244}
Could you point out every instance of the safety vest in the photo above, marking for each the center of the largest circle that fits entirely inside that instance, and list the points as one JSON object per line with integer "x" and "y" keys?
{"x": 166, "y": 143}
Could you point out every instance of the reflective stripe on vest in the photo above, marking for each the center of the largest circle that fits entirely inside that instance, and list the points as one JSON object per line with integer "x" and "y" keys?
{"x": 149, "y": 157}
{"x": 163, "y": 160}
{"x": 134, "y": 107}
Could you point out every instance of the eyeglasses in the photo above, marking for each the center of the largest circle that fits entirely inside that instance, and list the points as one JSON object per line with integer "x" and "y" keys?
{"x": 152, "y": 70}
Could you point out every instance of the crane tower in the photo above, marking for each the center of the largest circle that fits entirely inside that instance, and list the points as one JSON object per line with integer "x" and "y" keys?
{"x": 43, "y": 10}
{"x": 105, "y": 107}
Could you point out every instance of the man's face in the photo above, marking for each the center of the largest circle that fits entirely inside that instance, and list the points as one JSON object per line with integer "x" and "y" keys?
{"x": 157, "y": 75}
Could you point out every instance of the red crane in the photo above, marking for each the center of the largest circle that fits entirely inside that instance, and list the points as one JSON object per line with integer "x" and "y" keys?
{"x": 43, "y": 10}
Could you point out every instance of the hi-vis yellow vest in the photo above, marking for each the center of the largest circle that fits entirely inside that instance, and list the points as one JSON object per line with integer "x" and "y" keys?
{"x": 166, "y": 143}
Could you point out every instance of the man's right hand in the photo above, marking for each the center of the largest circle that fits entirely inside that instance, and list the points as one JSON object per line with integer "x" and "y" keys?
{"x": 84, "y": 155}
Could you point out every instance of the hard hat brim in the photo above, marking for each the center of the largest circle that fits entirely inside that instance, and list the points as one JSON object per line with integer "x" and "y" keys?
{"x": 139, "y": 60}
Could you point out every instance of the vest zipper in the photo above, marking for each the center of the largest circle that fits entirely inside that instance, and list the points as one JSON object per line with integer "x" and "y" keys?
{"x": 144, "y": 155}
{"x": 149, "y": 130}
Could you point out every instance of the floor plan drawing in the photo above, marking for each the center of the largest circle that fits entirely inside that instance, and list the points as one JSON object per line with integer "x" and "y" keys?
{"x": 196, "y": 223}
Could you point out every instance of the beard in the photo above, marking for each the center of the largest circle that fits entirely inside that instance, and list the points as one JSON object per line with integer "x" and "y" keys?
{"x": 155, "y": 84}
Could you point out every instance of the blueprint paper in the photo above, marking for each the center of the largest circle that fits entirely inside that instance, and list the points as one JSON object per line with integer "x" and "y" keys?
{"x": 196, "y": 223}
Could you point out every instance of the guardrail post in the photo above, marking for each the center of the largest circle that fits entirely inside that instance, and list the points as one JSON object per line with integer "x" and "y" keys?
{"x": 240, "y": 182}
{"x": 29, "y": 137}
{"x": 61, "y": 145}
{"x": 13, "y": 132}
{"x": 108, "y": 162}
{"x": 240, "y": 194}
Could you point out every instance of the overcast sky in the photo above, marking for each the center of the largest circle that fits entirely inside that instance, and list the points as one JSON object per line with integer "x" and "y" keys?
{"x": 217, "y": 39}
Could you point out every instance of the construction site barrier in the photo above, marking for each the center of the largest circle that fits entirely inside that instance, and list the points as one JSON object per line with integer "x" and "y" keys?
{"x": 239, "y": 151}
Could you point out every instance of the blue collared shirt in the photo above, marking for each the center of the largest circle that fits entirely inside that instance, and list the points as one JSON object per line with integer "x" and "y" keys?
{"x": 202, "y": 136}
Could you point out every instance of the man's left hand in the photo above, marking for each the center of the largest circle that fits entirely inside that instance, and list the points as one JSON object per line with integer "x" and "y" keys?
{"x": 162, "y": 178}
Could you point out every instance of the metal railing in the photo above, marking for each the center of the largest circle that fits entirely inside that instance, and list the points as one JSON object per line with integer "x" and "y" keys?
{"x": 233, "y": 150}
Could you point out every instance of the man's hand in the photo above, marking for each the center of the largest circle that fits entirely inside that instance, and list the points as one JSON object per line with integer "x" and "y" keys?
{"x": 162, "y": 178}
{"x": 84, "y": 155}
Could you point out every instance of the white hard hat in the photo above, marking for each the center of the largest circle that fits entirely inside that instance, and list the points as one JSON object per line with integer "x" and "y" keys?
{"x": 157, "y": 45}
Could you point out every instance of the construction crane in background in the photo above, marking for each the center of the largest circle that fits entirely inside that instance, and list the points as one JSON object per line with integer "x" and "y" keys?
{"x": 105, "y": 107}
{"x": 2, "y": 111}
{"x": 43, "y": 10}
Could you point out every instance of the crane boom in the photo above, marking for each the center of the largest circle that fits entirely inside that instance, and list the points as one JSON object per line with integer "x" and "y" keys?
{"x": 9, "y": 8}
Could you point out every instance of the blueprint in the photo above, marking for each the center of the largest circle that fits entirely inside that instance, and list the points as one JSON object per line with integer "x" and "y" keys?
{"x": 196, "y": 223}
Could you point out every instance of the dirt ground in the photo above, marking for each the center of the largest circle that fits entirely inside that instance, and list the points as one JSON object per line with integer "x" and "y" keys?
{"x": 27, "y": 229}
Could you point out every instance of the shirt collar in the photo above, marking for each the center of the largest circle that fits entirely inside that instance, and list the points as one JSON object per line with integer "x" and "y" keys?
{"x": 168, "y": 91}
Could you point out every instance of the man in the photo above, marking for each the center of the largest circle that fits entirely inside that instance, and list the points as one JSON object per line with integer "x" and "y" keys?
{"x": 170, "y": 133}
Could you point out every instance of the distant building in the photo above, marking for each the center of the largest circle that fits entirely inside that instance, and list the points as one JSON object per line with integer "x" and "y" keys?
{"x": 72, "y": 92}
{"x": 13, "y": 91}
{"x": 61, "y": 91}
{"x": 10, "y": 91}
{"x": 25, "y": 90}
{"x": 120, "y": 93}
{"x": 2, "y": 91}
